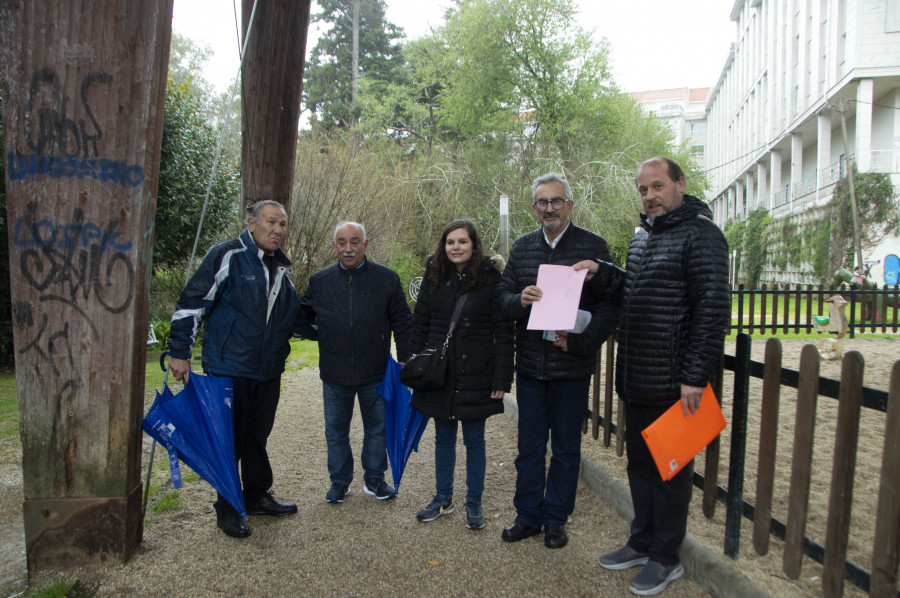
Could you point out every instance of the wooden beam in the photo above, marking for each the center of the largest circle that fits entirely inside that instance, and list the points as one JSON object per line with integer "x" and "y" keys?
{"x": 84, "y": 99}
{"x": 272, "y": 82}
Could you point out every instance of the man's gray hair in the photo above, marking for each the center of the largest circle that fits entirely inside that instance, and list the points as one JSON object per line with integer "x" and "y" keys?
{"x": 254, "y": 210}
{"x": 551, "y": 177}
{"x": 349, "y": 223}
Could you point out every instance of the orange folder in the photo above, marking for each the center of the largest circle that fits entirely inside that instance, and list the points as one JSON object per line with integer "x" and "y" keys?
{"x": 674, "y": 440}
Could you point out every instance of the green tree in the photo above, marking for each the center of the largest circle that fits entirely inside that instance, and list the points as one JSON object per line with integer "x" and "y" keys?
{"x": 186, "y": 160}
{"x": 328, "y": 85}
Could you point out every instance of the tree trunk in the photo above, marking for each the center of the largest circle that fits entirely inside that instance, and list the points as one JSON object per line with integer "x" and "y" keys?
{"x": 85, "y": 94}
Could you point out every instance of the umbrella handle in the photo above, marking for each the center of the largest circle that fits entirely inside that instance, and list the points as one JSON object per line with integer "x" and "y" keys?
{"x": 162, "y": 361}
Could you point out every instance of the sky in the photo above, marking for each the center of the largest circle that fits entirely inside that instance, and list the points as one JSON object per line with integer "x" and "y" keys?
{"x": 656, "y": 44}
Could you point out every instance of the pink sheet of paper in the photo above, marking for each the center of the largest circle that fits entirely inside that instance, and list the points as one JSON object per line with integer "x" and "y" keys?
{"x": 561, "y": 288}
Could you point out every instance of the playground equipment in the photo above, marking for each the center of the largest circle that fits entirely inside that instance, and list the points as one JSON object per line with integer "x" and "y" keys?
{"x": 846, "y": 276}
{"x": 836, "y": 323}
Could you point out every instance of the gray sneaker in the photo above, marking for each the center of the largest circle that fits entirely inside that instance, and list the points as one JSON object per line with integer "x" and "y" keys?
{"x": 474, "y": 516}
{"x": 623, "y": 558}
{"x": 654, "y": 578}
{"x": 435, "y": 509}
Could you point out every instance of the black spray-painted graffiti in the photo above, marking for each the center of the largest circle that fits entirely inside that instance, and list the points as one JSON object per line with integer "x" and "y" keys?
{"x": 63, "y": 147}
{"x": 74, "y": 261}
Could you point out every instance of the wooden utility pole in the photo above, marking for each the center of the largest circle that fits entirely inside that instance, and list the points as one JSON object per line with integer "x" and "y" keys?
{"x": 272, "y": 79}
{"x": 84, "y": 93}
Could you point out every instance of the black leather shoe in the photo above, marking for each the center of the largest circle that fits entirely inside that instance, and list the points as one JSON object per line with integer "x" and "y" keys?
{"x": 519, "y": 531}
{"x": 232, "y": 524}
{"x": 555, "y": 535}
{"x": 268, "y": 505}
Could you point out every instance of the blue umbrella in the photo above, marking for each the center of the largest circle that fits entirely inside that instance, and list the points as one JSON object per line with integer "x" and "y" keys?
{"x": 403, "y": 424}
{"x": 196, "y": 426}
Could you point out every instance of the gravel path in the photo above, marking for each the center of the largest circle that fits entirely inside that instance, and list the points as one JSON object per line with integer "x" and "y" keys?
{"x": 359, "y": 548}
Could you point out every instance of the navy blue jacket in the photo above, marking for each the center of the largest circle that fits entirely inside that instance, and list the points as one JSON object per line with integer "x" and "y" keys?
{"x": 246, "y": 331}
{"x": 352, "y": 313}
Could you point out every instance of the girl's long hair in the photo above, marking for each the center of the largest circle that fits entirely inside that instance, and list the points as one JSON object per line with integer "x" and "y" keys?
{"x": 438, "y": 266}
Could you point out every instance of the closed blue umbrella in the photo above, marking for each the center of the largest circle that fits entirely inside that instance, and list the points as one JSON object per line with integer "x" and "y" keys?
{"x": 196, "y": 426}
{"x": 403, "y": 423}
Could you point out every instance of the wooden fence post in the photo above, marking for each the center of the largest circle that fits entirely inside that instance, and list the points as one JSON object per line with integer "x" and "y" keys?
{"x": 801, "y": 462}
{"x": 734, "y": 505}
{"x": 768, "y": 441}
{"x": 84, "y": 101}
{"x": 886, "y": 548}
{"x": 847, "y": 436}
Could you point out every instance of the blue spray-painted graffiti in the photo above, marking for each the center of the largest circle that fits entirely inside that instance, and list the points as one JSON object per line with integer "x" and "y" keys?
{"x": 76, "y": 234}
{"x": 22, "y": 166}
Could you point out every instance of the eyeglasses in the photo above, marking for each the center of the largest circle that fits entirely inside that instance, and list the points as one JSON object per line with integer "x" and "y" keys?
{"x": 556, "y": 202}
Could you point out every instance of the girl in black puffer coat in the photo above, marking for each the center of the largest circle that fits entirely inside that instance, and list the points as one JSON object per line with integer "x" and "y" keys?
{"x": 480, "y": 365}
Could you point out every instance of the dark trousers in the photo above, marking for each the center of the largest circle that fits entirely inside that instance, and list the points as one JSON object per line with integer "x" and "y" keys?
{"x": 554, "y": 409}
{"x": 253, "y": 411}
{"x": 660, "y": 508}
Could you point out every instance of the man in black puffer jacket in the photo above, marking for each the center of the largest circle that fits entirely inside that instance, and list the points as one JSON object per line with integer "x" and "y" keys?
{"x": 351, "y": 308}
{"x": 552, "y": 378}
{"x": 676, "y": 307}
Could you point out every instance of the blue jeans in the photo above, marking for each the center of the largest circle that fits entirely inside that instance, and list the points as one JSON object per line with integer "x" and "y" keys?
{"x": 445, "y": 458}
{"x": 338, "y": 401}
{"x": 554, "y": 409}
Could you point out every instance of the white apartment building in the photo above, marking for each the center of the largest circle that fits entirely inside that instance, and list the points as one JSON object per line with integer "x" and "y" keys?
{"x": 683, "y": 110}
{"x": 774, "y": 136}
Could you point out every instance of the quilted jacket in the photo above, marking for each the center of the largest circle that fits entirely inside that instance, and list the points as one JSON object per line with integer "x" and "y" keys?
{"x": 536, "y": 357}
{"x": 676, "y": 305}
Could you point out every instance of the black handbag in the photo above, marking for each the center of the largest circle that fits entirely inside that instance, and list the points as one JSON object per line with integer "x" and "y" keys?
{"x": 427, "y": 370}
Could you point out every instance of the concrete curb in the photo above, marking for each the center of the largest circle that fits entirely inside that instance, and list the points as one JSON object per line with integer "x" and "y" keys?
{"x": 701, "y": 564}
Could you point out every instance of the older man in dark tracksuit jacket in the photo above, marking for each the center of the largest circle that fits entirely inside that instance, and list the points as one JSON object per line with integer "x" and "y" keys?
{"x": 552, "y": 378}
{"x": 676, "y": 309}
{"x": 242, "y": 295}
{"x": 351, "y": 308}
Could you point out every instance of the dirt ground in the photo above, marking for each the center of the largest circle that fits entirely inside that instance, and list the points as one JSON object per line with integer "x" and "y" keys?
{"x": 766, "y": 570}
{"x": 592, "y": 529}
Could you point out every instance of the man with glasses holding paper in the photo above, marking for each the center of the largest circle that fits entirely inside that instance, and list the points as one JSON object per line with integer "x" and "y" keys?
{"x": 676, "y": 307}
{"x": 552, "y": 376}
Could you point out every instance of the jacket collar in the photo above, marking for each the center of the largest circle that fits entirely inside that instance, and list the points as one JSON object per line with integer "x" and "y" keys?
{"x": 361, "y": 268}
{"x": 691, "y": 208}
{"x": 246, "y": 238}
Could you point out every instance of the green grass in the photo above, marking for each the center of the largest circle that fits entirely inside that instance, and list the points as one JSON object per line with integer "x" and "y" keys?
{"x": 62, "y": 588}
{"x": 167, "y": 501}
{"x": 9, "y": 406}
{"x": 303, "y": 354}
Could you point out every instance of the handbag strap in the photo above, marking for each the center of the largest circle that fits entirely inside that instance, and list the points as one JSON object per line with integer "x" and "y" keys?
{"x": 453, "y": 320}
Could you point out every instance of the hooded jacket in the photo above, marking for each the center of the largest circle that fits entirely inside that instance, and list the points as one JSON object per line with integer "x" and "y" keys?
{"x": 676, "y": 307}
{"x": 480, "y": 353}
{"x": 246, "y": 329}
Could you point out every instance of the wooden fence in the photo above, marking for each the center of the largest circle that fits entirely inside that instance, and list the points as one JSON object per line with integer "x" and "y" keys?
{"x": 782, "y": 309}
{"x": 852, "y": 396}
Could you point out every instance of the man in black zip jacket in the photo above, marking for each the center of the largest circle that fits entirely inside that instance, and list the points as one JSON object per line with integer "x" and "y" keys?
{"x": 676, "y": 308}
{"x": 552, "y": 378}
{"x": 351, "y": 308}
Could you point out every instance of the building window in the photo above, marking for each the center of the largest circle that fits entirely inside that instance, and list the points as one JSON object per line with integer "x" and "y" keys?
{"x": 698, "y": 150}
{"x": 698, "y": 129}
